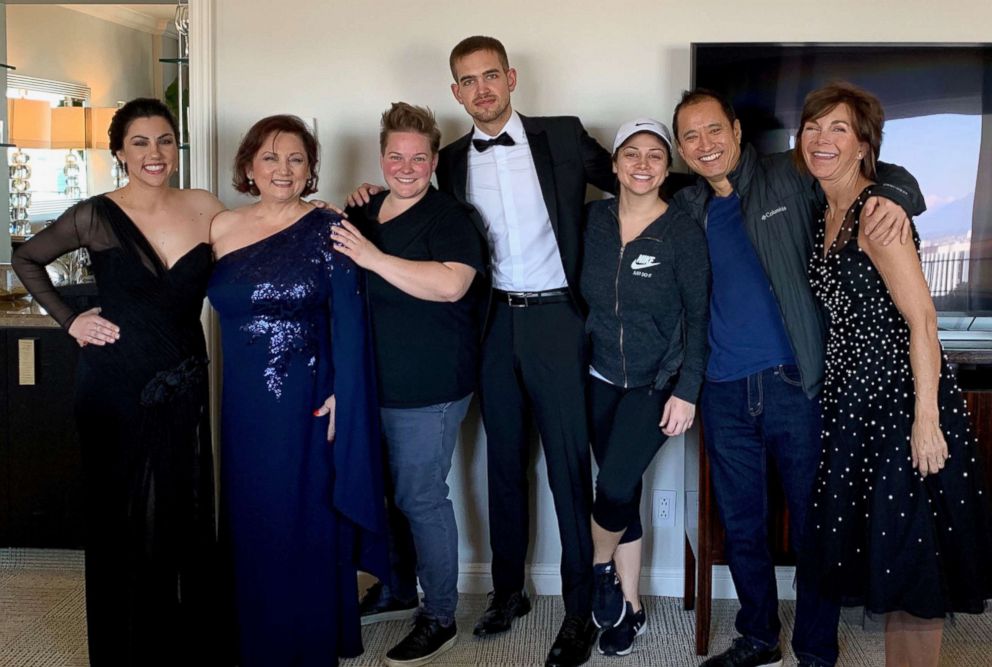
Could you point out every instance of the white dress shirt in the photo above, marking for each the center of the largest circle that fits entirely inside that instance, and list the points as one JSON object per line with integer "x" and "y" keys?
{"x": 502, "y": 185}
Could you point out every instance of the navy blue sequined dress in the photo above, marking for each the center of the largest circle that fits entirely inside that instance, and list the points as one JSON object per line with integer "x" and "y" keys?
{"x": 880, "y": 536}
{"x": 300, "y": 514}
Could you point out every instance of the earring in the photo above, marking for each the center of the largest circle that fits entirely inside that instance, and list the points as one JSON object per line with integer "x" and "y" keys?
{"x": 859, "y": 156}
{"x": 251, "y": 181}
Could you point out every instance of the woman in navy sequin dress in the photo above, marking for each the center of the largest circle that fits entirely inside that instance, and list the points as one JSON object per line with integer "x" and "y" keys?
{"x": 301, "y": 490}
{"x": 899, "y": 521}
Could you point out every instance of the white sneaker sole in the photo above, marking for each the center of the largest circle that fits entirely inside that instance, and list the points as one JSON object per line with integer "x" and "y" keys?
{"x": 427, "y": 659}
{"x": 397, "y": 615}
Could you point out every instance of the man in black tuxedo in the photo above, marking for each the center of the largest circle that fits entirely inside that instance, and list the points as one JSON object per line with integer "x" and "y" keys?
{"x": 527, "y": 179}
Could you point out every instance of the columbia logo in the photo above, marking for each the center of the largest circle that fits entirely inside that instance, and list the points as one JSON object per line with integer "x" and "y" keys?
{"x": 774, "y": 211}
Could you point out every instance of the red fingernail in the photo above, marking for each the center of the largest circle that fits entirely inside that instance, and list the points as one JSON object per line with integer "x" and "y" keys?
{"x": 316, "y": 413}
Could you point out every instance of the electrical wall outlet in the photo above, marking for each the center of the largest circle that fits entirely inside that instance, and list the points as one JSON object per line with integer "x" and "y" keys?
{"x": 663, "y": 515}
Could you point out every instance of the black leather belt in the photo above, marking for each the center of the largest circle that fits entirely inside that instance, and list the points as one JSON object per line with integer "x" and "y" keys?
{"x": 525, "y": 299}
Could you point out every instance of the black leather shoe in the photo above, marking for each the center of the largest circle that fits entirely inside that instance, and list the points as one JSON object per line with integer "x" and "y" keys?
{"x": 501, "y": 612}
{"x": 574, "y": 643}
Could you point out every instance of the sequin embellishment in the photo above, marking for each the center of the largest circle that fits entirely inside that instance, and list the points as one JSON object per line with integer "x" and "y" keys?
{"x": 287, "y": 335}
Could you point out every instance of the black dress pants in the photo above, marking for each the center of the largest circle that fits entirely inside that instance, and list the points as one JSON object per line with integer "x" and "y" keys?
{"x": 534, "y": 363}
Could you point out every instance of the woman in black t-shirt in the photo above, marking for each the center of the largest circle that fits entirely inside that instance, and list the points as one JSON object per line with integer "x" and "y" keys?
{"x": 422, "y": 253}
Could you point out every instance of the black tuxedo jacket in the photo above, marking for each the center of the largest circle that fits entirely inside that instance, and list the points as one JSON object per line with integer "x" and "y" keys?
{"x": 566, "y": 159}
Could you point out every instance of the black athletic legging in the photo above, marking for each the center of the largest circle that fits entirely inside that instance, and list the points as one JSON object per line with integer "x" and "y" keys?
{"x": 623, "y": 424}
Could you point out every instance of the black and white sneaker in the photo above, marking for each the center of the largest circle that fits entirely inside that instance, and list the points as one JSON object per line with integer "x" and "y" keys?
{"x": 608, "y": 605}
{"x": 619, "y": 640}
{"x": 745, "y": 653}
{"x": 424, "y": 644}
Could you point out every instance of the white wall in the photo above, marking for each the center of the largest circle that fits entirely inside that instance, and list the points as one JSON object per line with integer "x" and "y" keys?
{"x": 342, "y": 63}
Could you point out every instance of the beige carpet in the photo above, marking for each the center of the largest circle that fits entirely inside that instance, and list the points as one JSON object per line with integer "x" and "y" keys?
{"x": 42, "y": 624}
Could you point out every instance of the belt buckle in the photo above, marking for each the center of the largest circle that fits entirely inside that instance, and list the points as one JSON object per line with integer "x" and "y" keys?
{"x": 523, "y": 300}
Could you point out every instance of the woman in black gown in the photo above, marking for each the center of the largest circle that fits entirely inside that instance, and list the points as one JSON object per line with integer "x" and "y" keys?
{"x": 899, "y": 521}
{"x": 141, "y": 400}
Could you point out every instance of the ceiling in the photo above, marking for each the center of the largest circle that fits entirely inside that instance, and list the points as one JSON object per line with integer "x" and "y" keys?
{"x": 154, "y": 11}
{"x": 150, "y": 18}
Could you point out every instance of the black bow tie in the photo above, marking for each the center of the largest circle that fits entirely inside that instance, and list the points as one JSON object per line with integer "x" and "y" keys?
{"x": 503, "y": 140}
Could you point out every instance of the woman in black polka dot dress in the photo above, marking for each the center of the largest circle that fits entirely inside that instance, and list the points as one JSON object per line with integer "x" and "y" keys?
{"x": 900, "y": 520}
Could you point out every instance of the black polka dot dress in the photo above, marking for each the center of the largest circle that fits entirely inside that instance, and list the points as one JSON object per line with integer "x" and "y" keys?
{"x": 879, "y": 534}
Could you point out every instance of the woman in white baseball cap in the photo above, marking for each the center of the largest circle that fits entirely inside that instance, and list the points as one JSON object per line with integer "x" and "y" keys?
{"x": 645, "y": 278}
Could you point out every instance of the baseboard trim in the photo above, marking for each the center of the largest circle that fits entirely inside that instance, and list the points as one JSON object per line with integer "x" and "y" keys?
{"x": 545, "y": 579}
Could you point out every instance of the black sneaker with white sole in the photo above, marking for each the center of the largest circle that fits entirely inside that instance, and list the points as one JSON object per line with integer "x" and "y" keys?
{"x": 423, "y": 645}
{"x": 608, "y": 605}
{"x": 619, "y": 640}
{"x": 745, "y": 653}
{"x": 377, "y": 606}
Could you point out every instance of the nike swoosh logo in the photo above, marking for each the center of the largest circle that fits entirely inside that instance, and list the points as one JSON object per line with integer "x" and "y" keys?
{"x": 643, "y": 263}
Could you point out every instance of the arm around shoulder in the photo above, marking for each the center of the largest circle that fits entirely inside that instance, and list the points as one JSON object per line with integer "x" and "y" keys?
{"x": 897, "y": 184}
{"x": 692, "y": 275}
{"x": 596, "y": 160}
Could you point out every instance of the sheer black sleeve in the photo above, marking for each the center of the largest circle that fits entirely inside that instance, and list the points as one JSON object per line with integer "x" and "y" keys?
{"x": 76, "y": 228}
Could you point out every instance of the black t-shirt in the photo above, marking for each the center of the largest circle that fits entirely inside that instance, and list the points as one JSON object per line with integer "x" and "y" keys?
{"x": 426, "y": 351}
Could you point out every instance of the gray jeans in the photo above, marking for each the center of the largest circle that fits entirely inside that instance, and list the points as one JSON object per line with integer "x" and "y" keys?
{"x": 419, "y": 446}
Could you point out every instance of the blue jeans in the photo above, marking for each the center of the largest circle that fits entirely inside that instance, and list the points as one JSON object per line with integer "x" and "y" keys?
{"x": 747, "y": 422}
{"x": 419, "y": 446}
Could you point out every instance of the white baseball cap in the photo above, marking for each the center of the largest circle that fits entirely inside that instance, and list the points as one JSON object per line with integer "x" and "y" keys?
{"x": 630, "y": 128}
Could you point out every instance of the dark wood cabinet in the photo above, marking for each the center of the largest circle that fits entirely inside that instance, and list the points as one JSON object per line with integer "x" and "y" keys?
{"x": 41, "y": 489}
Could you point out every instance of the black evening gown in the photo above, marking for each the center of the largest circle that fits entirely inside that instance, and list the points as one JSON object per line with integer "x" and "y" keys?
{"x": 142, "y": 414}
{"x": 879, "y": 534}
{"x": 301, "y": 514}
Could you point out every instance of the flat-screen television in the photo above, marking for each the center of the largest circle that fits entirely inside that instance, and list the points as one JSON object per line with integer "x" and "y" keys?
{"x": 938, "y": 104}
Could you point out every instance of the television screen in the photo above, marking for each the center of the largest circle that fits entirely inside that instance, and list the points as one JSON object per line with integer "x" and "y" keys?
{"x": 938, "y": 104}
